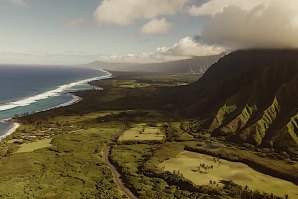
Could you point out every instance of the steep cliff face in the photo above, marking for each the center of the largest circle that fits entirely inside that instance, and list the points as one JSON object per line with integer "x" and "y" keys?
{"x": 257, "y": 131}
{"x": 240, "y": 120}
{"x": 250, "y": 96}
{"x": 220, "y": 115}
{"x": 287, "y": 137}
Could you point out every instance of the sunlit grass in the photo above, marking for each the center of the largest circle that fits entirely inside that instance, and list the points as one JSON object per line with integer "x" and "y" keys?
{"x": 201, "y": 169}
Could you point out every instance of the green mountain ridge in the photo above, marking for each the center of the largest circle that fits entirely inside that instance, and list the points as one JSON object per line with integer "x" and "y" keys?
{"x": 250, "y": 96}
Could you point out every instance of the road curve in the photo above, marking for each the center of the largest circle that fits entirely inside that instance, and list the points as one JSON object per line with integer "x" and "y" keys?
{"x": 116, "y": 174}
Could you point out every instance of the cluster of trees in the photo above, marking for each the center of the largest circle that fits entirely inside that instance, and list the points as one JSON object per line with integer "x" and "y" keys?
{"x": 192, "y": 126}
{"x": 244, "y": 192}
{"x": 122, "y": 116}
{"x": 204, "y": 168}
{"x": 171, "y": 132}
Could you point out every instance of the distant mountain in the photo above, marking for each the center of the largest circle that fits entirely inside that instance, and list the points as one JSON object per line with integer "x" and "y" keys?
{"x": 109, "y": 66}
{"x": 194, "y": 65}
{"x": 249, "y": 96}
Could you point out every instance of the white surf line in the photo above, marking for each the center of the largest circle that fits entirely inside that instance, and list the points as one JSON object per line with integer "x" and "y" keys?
{"x": 75, "y": 99}
{"x": 109, "y": 75}
{"x": 11, "y": 130}
{"x": 52, "y": 93}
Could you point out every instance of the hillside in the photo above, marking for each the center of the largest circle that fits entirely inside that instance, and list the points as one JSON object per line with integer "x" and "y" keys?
{"x": 249, "y": 96}
{"x": 194, "y": 65}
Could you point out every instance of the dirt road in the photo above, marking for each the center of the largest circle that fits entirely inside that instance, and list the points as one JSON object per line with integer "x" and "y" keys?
{"x": 116, "y": 174}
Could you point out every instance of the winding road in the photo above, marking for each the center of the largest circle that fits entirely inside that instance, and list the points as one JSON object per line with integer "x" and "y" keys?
{"x": 116, "y": 174}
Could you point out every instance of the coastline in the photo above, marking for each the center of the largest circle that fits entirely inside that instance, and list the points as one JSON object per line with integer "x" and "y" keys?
{"x": 75, "y": 99}
{"x": 59, "y": 90}
{"x": 11, "y": 130}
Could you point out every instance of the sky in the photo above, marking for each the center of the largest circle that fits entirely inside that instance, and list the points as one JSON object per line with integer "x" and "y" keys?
{"x": 81, "y": 31}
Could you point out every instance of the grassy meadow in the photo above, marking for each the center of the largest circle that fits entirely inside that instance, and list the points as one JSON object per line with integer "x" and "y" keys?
{"x": 29, "y": 147}
{"x": 201, "y": 169}
{"x": 142, "y": 132}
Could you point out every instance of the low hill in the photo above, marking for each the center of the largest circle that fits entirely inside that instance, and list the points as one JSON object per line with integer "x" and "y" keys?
{"x": 249, "y": 96}
{"x": 194, "y": 65}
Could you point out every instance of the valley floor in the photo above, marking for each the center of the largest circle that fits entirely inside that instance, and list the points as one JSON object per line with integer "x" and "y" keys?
{"x": 121, "y": 143}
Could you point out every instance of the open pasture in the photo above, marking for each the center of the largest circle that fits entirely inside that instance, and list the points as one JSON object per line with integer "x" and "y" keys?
{"x": 142, "y": 132}
{"x": 29, "y": 147}
{"x": 201, "y": 169}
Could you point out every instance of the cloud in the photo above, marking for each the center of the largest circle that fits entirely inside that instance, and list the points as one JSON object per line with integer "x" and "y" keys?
{"x": 157, "y": 26}
{"x": 213, "y": 7}
{"x": 190, "y": 46}
{"x": 264, "y": 26}
{"x": 269, "y": 24}
{"x": 123, "y": 13}
{"x": 74, "y": 22}
{"x": 17, "y": 2}
{"x": 183, "y": 49}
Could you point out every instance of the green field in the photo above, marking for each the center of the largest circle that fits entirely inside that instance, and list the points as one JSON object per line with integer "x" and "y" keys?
{"x": 86, "y": 117}
{"x": 142, "y": 132}
{"x": 197, "y": 168}
{"x": 29, "y": 147}
{"x": 72, "y": 166}
{"x": 130, "y": 159}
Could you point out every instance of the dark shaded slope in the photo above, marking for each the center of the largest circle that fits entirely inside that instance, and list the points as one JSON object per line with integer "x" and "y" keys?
{"x": 250, "y": 96}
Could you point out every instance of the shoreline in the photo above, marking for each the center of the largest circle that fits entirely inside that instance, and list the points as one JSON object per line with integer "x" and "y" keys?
{"x": 75, "y": 99}
{"x": 11, "y": 130}
{"x": 59, "y": 90}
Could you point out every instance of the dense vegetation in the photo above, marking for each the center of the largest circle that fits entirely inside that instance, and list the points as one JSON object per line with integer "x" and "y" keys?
{"x": 73, "y": 166}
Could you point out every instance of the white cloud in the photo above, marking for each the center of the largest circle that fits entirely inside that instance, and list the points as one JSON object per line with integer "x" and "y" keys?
{"x": 157, "y": 26}
{"x": 271, "y": 24}
{"x": 189, "y": 47}
{"x": 74, "y": 22}
{"x": 17, "y": 2}
{"x": 130, "y": 58}
{"x": 125, "y": 12}
{"x": 183, "y": 49}
{"x": 213, "y": 7}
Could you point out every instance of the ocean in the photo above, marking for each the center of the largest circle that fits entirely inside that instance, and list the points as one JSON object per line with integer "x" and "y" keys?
{"x": 28, "y": 89}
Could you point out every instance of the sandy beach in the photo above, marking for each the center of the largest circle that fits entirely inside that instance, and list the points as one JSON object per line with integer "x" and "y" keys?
{"x": 10, "y": 131}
